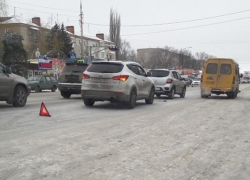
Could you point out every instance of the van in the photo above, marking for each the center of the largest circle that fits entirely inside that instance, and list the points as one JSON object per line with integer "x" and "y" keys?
{"x": 220, "y": 76}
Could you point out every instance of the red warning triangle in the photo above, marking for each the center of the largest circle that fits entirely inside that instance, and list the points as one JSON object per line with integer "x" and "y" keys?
{"x": 44, "y": 111}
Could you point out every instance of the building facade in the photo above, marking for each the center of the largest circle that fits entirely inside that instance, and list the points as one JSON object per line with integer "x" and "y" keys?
{"x": 35, "y": 39}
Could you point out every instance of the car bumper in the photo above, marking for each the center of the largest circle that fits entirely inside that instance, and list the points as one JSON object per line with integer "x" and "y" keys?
{"x": 74, "y": 88}
{"x": 163, "y": 89}
{"x": 209, "y": 90}
{"x": 104, "y": 95}
{"x": 28, "y": 90}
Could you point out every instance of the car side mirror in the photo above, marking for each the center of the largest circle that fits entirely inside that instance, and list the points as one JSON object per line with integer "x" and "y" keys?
{"x": 149, "y": 74}
{"x": 7, "y": 70}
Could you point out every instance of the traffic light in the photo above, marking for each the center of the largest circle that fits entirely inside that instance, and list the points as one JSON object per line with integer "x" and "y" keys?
{"x": 113, "y": 48}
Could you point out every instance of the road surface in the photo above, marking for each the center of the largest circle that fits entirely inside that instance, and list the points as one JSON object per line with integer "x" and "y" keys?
{"x": 180, "y": 139}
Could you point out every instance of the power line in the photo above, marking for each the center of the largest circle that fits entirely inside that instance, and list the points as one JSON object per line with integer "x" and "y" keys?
{"x": 168, "y": 23}
{"x": 43, "y": 11}
{"x": 191, "y": 27}
{"x": 44, "y": 6}
{"x": 177, "y": 22}
{"x": 243, "y": 42}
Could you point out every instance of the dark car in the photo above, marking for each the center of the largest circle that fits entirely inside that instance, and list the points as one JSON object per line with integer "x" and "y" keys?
{"x": 70, "y": 81}
{"x": 43, "y": 82}
{"x": 14, "y": 89}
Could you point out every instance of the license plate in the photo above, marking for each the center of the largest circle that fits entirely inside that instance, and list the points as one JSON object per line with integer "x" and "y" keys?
{"x": 100, "y": 80}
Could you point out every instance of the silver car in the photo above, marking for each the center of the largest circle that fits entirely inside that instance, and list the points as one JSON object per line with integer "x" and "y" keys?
{"x": 167, "y": 82}
{"x": 14, "y": 89}
{"x": 116, "y": 81}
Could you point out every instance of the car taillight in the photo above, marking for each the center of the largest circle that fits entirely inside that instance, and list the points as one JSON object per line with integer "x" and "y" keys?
{"x": 85, "y": 76}
{"x": 121, "y": 78}
{"x": 169, "y": 81}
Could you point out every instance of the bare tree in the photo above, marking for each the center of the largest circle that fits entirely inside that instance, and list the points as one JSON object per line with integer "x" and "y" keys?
{"x": 115, "y": 29}
{"x": 201, "y": 57}
{"x": 3, "y": 8}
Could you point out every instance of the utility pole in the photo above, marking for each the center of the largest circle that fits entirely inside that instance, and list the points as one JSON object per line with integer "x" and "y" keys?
{"x": 81, "y": 22}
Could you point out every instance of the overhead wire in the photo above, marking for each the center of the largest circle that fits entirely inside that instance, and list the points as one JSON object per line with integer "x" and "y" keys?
{"x": 191, "y": 27}
{"x": 44, "y": 6}
{"x": 177, "y": 22}
{"x": 143, "y": 25}
{"x": 42, "y": 11}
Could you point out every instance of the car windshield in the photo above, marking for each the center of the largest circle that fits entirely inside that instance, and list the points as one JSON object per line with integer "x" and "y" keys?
{"x": 159, "y": 73}
{"x": 197, "y": 79}
{"x": 105, "y": 68}
{"x": 75, "y": 68}
{"x": 34, "y": 78}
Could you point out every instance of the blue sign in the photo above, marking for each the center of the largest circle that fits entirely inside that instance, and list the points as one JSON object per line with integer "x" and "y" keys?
{"x": 72, "y": 55}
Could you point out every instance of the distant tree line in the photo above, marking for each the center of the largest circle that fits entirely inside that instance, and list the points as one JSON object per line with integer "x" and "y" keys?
{"x": 169, "y": 57}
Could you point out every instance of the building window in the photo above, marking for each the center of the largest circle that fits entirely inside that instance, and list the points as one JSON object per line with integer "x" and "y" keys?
{"x": 45, "y": 36}
{"x": 7, "y": 30}
{"x": 102, "y": 55}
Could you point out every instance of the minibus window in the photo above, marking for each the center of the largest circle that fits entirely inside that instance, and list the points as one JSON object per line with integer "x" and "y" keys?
{"x": 212, "y": 68}
{"x": 225, "y": 69}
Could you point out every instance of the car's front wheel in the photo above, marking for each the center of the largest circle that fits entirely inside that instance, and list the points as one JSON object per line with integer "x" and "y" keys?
{"x": 158, "y": 95}
{"x": 20, "y": 97}
{"x": 89, "y": 102}
{"x": 37, "y": 89}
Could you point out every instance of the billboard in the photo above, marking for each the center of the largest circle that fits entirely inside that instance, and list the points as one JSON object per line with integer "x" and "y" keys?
{"x": 246, "y": 74}
{"x": 44, "y": 63}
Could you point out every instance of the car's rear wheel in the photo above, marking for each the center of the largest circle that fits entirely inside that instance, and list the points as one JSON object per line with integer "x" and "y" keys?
{"x": 233, "y": 94}
{"x": 182, "y": 95}
{"x": 37, "y": 89}
{"x": 132, "y": 100}
{"x": 171, "y": 93}
{"x": 20, "y": 97}
{"x": 89, "y": 102}
{"x": 150, "y": 100}
{"x": 53, "y": 89}
{"x": 66, "y": 95}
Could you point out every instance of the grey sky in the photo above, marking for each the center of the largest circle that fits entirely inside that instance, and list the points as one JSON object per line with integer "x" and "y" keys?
{"x": 223, "y": 40}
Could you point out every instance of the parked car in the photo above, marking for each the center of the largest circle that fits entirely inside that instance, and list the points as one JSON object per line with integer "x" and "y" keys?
{"x": 196, "y": 82}
{"x": 14, "y": 89}
{"x": 70, "y": 81}
{"x": 167, "y": 82}
{"x": 43, "y": 82}
{"x": 245, "y": 80}
{"x": 116, "y": 81}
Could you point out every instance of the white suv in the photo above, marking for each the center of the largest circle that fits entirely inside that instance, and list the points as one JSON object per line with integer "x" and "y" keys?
{"x": 116, "y": 81}
{"x": 168, "y": 82}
